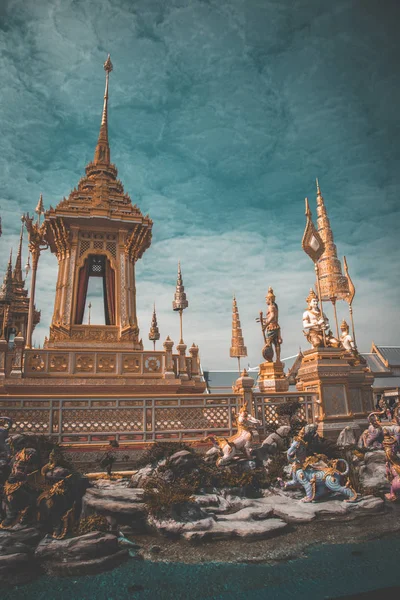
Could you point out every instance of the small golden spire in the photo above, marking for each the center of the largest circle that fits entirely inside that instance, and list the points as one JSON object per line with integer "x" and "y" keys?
{"x": 102, "y": 152}
{"x": 18, "y": 263}
{"x": 180, "y": 302}
{"x": 318, "y": 188}
{"x": 6, "y": 290}
{"x": 154, "y": 333}
{"x": 308, "y": 211}
{"x": 39, "y": 210}
{"x": 238, "y": 349}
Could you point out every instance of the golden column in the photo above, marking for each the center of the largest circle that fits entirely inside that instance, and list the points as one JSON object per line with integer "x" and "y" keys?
{"x": 37, "y": 243}
{"x": 238, "y": 349}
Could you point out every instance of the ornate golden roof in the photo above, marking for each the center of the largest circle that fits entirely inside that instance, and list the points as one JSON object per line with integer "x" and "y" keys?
{"x": 238, "y": 349}
{"x": 333, "y": 283}
{"x": 99, "y": 193}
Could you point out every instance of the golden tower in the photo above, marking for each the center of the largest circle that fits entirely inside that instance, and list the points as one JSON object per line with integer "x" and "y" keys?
{"x": 97, "y": 232}
{"x": 238, "y": 349}
{"x": 333, "y": 284}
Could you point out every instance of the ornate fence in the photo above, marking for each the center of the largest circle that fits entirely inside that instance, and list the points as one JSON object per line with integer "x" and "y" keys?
{"x": 142, "y": 419}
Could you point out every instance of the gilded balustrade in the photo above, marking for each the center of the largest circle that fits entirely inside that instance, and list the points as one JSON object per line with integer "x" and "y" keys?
{"x": 138, "y": 419}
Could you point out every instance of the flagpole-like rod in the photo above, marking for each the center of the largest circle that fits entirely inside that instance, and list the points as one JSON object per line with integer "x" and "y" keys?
{"x": 90, "y": 308}
{"x": 333, "y": 300}
{"x": 352, "y": 324}
{"x": 181, "y": 324}
{"x": 239, "y": 364}
{"x": 320, "y": 301}
{"x": 350, "y": 297}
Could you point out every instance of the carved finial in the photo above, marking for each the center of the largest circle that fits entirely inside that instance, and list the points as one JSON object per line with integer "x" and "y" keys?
{"x": 39, "y": 210}
{"x": 308, "y": 211}
{"x": 154, "y": 333}
{"x": 180, "y": 302}
{"x": 108, "y": 66}
{"x": 318, "y": 188}
{"x": 102, "y": 152}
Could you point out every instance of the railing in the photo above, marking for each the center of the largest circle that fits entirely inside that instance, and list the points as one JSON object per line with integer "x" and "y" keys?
{"x": 142, "y": 418}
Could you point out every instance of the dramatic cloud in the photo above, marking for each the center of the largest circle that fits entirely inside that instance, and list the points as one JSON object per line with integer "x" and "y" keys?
{"x": 222, "y": 113}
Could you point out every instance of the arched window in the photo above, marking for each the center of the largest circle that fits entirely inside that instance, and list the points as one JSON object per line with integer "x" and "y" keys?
{"x": 96, "y": 266}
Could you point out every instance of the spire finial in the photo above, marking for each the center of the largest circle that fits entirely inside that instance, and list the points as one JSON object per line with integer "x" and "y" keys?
{"x": 154, "y": 333}
{"x": 102, "y": 152}
{"x": 39, "y": 210}
{"x": 238, "y": 349}
{"x": 318, "y": 188}
{"x": 180, "y": 301}
{"x": 18, "y": 263}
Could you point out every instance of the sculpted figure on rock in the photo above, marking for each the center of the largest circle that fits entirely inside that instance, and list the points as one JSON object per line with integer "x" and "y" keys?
{"x": 240, "y": 443}
{"x": 317, "y": 475}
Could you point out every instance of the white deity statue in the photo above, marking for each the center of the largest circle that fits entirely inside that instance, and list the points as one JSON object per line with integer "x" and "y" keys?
{"x": 346, "y": 339}
{"x": 316, "y": 324}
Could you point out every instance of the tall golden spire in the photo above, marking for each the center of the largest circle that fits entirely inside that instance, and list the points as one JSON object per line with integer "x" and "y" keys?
{"x": 238, "y": 349}
{"x": 17, "y": 275}
{"x": 6, "y": 290}
{"x": 333, "y": 284}
{"x": 154, "y": 333}
{"x": 102, "y": 152}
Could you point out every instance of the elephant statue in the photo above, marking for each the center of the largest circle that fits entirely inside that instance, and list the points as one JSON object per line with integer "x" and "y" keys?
{"x": 316, "y": 474}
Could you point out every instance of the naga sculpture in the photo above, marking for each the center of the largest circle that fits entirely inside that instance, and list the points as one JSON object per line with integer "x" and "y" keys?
{"x": 229, "y": 448}
{"x": 390, "y": 446}
{"x": 316, "y": 474}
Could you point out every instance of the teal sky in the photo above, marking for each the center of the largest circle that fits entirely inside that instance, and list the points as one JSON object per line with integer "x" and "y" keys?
{"x": 221, "y": 115}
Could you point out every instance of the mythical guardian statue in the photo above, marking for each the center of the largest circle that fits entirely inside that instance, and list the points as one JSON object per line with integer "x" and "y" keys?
{"x": 316, "y": 474}
{"x": 240, "y": 443}
{"x": 392, "y": 465}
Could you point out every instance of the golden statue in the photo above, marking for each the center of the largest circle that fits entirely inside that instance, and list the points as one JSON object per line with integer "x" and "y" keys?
{"x": 271, "y": 329}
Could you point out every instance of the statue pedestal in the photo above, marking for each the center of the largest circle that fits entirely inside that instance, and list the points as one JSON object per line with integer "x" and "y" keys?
{"x": 271, "y": 378}
{"x": 344, "y": 389}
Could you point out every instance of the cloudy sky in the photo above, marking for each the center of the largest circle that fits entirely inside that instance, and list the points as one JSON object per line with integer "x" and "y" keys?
{"x": 222, "y": 113}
